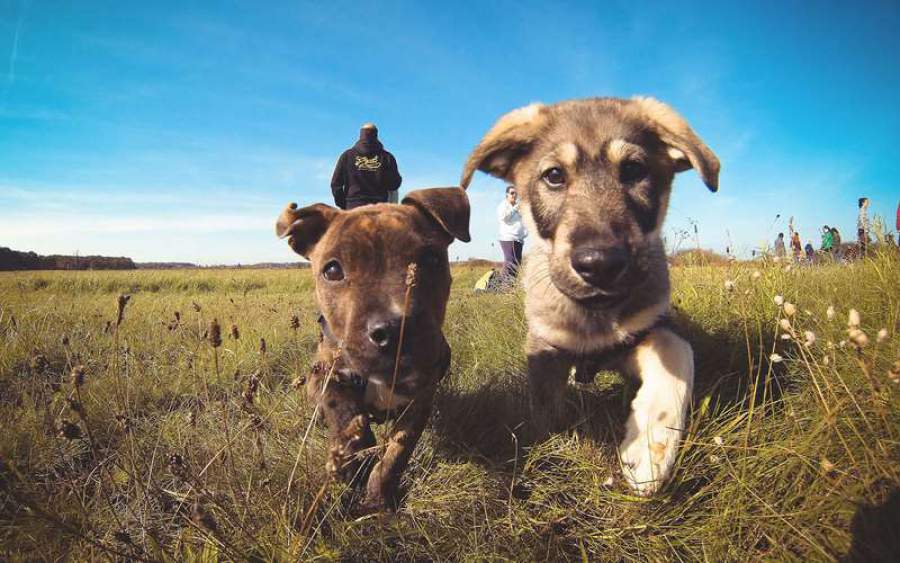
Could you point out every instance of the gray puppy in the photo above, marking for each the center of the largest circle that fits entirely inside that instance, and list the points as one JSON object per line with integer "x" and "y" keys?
{"x": 595, "y": 176}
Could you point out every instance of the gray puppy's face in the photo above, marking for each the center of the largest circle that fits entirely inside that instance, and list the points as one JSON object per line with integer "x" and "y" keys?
{"x": 594, "y": 177}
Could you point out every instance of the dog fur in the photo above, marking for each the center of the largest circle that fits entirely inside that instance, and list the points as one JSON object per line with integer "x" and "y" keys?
{"x": 594, "y": 177}
{"x": 372, "y": 304}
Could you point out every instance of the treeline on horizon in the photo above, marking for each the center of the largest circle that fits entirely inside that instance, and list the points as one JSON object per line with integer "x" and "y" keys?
{"x": 16, "y": 260}
{"x": 13, "y": 260}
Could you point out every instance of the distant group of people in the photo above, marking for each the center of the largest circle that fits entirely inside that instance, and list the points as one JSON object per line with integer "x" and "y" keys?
{"x": 831, "y": 239}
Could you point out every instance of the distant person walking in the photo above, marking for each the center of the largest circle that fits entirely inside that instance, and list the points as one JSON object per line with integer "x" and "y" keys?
{"x": 827, "y": 239}
{"x": 862, "y": 226}
{"x": 796, "y": 246}
{"x": 512, "y": 233}
{"x": 365, "y": 173}
{"x": 779, "y": 246}
{"x": 898, "y": 223}
{"x": 836, "y": 244}
{"x": 810, "y": 252}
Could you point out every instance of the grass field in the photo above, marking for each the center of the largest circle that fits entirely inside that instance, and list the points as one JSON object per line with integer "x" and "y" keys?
{"x": 165, "y": 448}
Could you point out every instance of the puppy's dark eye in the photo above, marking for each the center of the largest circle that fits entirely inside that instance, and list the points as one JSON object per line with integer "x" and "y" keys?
{"x": 632, "y": 171}
{"x": 554, "y": 177}
{"x": 431, "y": 258}
{"x": 333, "y": 271}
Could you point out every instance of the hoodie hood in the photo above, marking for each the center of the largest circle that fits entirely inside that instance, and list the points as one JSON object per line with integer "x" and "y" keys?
{"x": 368, "y": 147}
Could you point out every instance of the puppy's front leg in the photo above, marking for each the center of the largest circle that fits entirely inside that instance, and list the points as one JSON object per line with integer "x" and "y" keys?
{"x": 349, "y": 432}
{"x": 381, "y": 490}
{"x": 548, "y": 373}
{"x": 664, "y": 363}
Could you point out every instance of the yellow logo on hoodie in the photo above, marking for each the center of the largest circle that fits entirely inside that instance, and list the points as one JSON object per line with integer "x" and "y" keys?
{"x": 367, "y": 163}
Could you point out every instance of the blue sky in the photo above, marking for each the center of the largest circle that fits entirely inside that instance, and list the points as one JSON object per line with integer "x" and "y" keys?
{"x": 178, "y": 130}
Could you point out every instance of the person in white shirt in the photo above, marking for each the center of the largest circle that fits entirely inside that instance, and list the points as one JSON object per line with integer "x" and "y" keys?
{"x": 512, "y": 233}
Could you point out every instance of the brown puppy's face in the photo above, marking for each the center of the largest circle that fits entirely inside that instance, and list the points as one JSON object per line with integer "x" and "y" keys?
{"x": 594, "y": 177}
{"x": 361, "y": 261}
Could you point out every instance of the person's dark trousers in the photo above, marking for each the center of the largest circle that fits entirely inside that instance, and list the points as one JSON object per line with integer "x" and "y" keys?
{"x": 354, "y": 203}
{"x": 512, "y": 257}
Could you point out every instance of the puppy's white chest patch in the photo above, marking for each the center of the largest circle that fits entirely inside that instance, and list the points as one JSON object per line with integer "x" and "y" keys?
{"x": 378, "y": 395}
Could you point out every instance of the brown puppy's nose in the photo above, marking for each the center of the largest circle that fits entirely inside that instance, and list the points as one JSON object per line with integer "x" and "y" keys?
{"x": 383, "y": 333}
{"x": 600, "y": 266}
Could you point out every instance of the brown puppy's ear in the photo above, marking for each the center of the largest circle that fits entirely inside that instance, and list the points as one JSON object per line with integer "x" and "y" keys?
{"x": 685, "y": 147}
{"x": 508, "y": 139}
{"x": 304, "y": 226}
{"x": 449, "y": 207}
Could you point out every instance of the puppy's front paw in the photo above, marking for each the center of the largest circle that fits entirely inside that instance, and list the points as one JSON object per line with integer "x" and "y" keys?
{"x": 347, "y": 459}
{"x": 647, "y": 458}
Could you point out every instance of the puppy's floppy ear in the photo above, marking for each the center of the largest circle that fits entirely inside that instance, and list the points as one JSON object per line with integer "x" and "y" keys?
{"x": 305, "y": 226}
{"x": 449, "y": 207}
{"x": 686, "y": 149}
{"x": 508, "y": 139}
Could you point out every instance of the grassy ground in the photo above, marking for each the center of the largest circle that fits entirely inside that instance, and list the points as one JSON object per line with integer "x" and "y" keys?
{"x": 167, "y": 452}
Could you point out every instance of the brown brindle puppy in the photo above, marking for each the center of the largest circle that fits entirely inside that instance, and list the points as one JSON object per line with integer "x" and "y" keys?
{"x": 594, "y": 176}
{"x": 382, "y": 283}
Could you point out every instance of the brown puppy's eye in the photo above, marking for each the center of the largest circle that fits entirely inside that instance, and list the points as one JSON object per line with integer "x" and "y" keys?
{"x": 554, "y": 177}
{"x": 632, "y": 171}
{"x": 333, "y": 271}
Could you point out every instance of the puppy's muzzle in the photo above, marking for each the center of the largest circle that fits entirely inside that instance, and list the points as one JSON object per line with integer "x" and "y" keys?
{"x": 384, "y": 333}
{"x": 602, "y": 267}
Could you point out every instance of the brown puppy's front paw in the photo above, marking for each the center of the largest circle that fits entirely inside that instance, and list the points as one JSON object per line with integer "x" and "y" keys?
{"x": 347, "y": 460}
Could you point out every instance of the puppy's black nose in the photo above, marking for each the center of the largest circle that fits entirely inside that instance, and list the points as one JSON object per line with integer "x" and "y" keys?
{"x": 383, "y": 333}
{"x": 600, "y": 266}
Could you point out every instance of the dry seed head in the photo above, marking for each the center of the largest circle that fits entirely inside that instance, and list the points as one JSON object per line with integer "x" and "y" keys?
{"x": 176, "y": 464}
{"x": 121, "y": 303}
{"x": 196, "y": 306}
{"x": 779, "y": 300}
{"x": 853, "y": 319}
{"x": 717, "y": 440}
{"x": 826, "y": 466}
{"x": 756, "y": 274}
{"x": 298, "y": 382}
{"x": 894, "y": 372}
{"x": 790, "y": 309}
{"x": 251, "y": 389}
{"x": 775, "y": 358}
{"x": 826, "y": 360}
{"x": 829, "y": 313}
{"x": 858, "y": 337}
{"x": 882, "y": 335}
{"x": 785, "y": 325}
{"x": 215, "y": 333}
{"x": 77, "y": 375}
{"x": 411, "y": 274}
{"x": 785, "y": 336}
{"x": 809, "y": 337}
{"x": 235, "y": 333}
{"x": 729, "y": 285}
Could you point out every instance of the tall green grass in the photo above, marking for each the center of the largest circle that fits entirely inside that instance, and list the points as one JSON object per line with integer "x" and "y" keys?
{"x": 792, "y": 452}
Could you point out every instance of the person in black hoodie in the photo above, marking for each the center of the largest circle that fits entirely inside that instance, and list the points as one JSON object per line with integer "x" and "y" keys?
{"x": 365, "y": 173}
